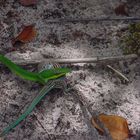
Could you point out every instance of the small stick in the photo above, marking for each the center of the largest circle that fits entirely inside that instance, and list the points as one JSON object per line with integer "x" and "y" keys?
{"x": 117, "y": 72}
{"x": 76, "y": 60}
{"x": 93, "y": 19}
{"x": 93, "y": 60}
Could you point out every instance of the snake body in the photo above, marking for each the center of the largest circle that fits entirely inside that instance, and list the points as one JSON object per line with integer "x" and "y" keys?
{"x": 36, "y": 100}
{"x": 58, "y": 83}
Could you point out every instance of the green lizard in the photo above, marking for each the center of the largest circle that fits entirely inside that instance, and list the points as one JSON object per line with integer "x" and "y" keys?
{"x": 50, "y": 74}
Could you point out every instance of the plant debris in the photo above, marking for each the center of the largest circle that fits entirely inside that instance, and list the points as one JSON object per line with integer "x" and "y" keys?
{"x": 121, "y": 9}
{"x": 118, "y": 73}
{"x": 28, "y": 2}
{"x": 27, "y": 34}
{"x": 117, "y": 126}
{"x": 131, "y": 41}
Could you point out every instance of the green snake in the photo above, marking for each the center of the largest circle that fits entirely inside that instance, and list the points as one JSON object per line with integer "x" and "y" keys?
{"x": 41, "y": 77}
{"x": 48, "y": 77}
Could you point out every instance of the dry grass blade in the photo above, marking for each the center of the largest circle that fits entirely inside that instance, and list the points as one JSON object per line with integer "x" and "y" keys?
{"x": 101, "y": 19}
{"x": 118, "y": 73}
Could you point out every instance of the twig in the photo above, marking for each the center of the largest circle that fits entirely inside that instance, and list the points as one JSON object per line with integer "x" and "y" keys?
{"x": 117, "y": 72}
{"x": 76, "y": 60}
{"x": 93, "y": 19}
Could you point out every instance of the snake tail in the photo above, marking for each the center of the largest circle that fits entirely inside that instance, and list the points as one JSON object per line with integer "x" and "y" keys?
{"x": 36, "y": 100}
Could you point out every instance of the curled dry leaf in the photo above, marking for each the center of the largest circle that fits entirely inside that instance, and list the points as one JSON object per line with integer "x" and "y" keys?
{"x": 121, "y": 9}
{"x": 27, "y": 34}
{"x": 28, "y": 2}
{"x": 117, "y": 126}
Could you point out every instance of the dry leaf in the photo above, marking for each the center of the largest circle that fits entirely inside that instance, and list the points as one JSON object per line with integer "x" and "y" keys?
{"x": 116, "y": 125}
{"x": 28, "y": 34}
{"x": 121, "y": 9}
{"x": 28, "y": 2}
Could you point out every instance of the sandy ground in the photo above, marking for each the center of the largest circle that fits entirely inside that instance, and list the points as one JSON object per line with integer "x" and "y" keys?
{"x": 60, "y": 116}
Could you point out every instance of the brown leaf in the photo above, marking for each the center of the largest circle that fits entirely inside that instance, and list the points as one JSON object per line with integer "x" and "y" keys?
{"x": 117, "y": 126}
{"x": 28, "y": 2}
{"x": 121, "y": 9}
{"x": 27, "y": 34}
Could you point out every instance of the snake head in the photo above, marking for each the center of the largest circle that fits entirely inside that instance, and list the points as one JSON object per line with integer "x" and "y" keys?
{"x": 58, "y": 73}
